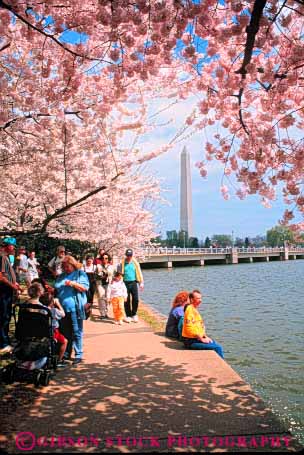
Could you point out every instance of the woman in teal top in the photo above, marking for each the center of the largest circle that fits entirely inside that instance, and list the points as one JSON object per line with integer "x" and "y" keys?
{"x": 71, "y": 287}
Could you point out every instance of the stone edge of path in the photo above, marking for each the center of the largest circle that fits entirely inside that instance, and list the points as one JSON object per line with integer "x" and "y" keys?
{"x": 157, "y": 322}
{"x": 154, "y": 319}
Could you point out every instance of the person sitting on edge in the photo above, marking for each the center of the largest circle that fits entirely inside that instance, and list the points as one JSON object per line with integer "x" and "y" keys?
{"x": 194, "y": 333}
{"x": 177, "y": 311}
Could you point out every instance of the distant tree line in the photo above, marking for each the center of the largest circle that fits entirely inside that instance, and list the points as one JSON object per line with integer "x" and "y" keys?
{"x": 275, "y": 237}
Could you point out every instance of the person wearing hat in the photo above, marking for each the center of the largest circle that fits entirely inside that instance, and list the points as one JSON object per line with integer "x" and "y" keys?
{"x": 8, "y": 287}
{"x": 10, "y": 241}
{"x": 55, "y": 264}
{"x": 132, "y": 277}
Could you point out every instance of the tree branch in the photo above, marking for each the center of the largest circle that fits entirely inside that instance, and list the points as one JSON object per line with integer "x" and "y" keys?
{"x": 65, "y": 166}
{"x": 5, "y": 46}
{"x": 59, "y": 212}
{"x": 252, "y": 31}
{"x": 47, "y": 35}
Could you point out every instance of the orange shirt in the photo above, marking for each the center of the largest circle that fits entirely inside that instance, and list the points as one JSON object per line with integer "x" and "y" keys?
{"x": 193, "y": 323}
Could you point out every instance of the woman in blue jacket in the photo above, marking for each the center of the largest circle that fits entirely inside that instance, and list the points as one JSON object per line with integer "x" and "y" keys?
{"x": 177, "y": 311}
{"x": 71, "y": 287}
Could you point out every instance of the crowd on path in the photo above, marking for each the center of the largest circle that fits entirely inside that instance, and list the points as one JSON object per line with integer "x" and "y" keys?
{"x": 70, "y": 297}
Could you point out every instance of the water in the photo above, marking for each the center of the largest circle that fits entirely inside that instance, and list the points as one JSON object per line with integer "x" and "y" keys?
{"x": 256, "y": 312}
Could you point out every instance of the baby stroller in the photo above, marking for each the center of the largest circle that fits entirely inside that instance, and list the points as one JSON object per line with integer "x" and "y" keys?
{"x": 34, "y": 354}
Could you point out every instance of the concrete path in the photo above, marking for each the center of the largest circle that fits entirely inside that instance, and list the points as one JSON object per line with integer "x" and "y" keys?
{"x": 139, "y": 392}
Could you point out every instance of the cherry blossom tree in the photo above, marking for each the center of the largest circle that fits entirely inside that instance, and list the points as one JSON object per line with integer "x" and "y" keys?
{"x": 87, "y": 183}
{"x": 251, "y": 88}
{"x": 61, "y": 127}
{"x": 51, "y": 54}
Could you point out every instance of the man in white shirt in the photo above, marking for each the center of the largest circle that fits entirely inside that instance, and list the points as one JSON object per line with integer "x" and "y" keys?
{"x": 55, "y": 264}
{"x": 22, "y": 267}
{"x": 32, "y": 266}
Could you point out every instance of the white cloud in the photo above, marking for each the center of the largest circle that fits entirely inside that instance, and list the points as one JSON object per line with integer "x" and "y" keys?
{"x": 211, "y": 214}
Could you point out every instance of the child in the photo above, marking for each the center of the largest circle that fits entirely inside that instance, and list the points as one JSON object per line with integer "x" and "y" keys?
{"x": 119, "y": 295}
{"x": 58, "y": 313}
{"x": 48, "y": 294}
{"x": 35, "y": 291}
{"x": 47, "y": 298}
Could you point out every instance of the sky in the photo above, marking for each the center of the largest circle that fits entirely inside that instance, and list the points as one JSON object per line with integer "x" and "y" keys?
{"x": 211, "y": 213}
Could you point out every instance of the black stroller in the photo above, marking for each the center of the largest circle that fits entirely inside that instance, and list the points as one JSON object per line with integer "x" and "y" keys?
{"x": 35, "y": 353}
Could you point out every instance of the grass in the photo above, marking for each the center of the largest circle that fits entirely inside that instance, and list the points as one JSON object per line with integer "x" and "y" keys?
{"x": 6, "y": 359}
{"x": 156, "y": 321}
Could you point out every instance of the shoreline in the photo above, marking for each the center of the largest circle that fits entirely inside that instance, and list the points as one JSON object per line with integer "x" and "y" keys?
{"x": 152, "y": 317}
{"x": 243, "y": 308}
{"x": 142, "y": 386}
{"x": 157, "y": 322}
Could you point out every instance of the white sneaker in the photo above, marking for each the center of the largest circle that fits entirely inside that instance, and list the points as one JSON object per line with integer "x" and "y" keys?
{"x": 128, "y": 319}
{"x": 116, "y": 322}
{"x": 120, "y": 322}
{"x": 6, "y": 350}
{"x": 135, "y": 318}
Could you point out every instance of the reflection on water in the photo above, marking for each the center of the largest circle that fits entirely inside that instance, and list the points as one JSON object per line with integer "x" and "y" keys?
{"x": 256, "y": 312}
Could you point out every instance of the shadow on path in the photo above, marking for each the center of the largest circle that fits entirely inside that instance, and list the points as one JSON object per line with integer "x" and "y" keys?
{"x": 135, "y": 397}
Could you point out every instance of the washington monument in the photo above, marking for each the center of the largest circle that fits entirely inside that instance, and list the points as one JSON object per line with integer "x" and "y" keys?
{"x": 186, "y": 194}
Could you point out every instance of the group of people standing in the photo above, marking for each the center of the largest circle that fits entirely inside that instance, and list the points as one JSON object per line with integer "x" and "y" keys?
{"x": 74, "y": 288}
{"x": 26, "y": 267}
{"x": 107, "y": 282}
{"x": 76, "y": 284}
{"x": 73, "y": 292}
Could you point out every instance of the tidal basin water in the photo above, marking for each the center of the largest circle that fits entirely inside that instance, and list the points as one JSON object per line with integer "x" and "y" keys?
{"x": 256, "y": 312}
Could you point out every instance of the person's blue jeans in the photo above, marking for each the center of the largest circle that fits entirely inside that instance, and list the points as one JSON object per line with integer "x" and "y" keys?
{"x": 214, "y": 346}
{"x": 72, "y": 328}
{"x": 6, "y": 302}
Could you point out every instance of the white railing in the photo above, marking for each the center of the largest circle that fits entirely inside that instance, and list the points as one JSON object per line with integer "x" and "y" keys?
{"x": 182, "y": 251}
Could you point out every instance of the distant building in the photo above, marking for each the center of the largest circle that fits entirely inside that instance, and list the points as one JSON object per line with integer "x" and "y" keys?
{"x": 186, "y": 194}
{"x": 172, "y": 236}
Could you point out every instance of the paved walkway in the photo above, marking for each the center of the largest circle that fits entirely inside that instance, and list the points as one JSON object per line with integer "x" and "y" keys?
{"x": 138, "y": 391}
